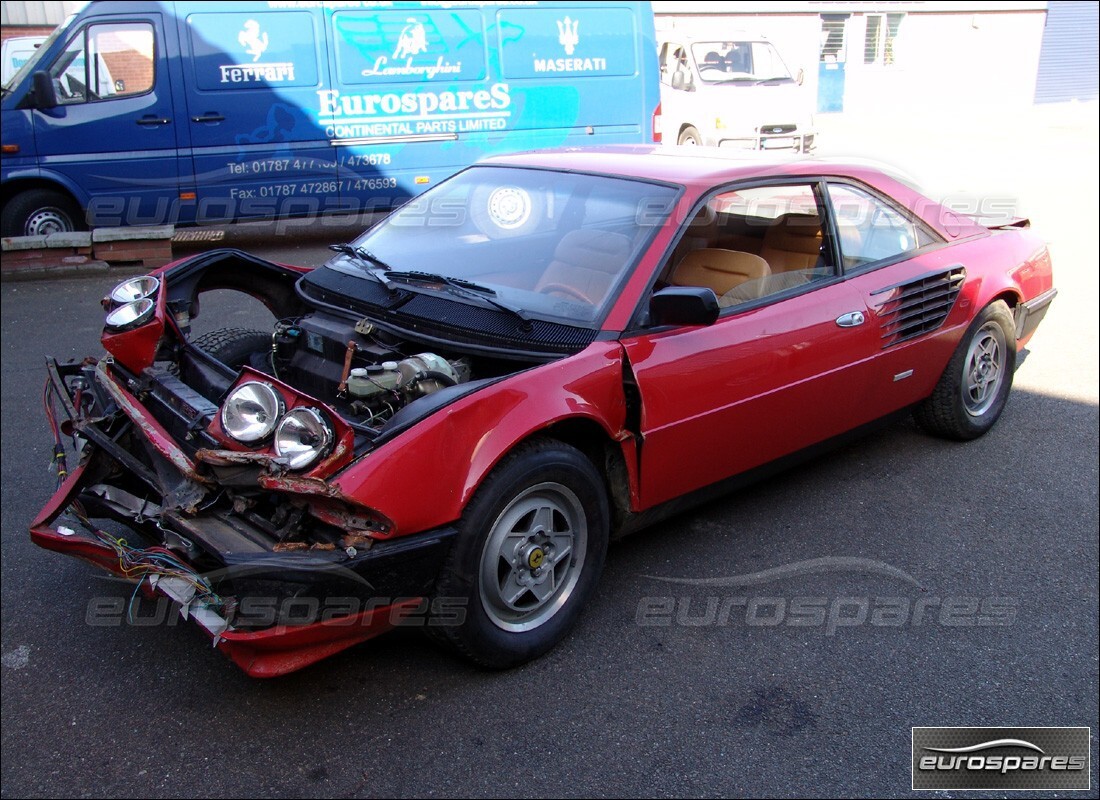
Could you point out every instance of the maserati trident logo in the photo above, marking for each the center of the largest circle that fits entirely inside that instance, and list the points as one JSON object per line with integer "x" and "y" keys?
{"x": 567, "y": 34}
{"x": 252, "y": 40}
{"x": 1001, "y": 758}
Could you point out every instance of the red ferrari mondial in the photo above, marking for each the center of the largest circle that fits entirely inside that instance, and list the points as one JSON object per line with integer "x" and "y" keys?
{"x": 447, "y": 423}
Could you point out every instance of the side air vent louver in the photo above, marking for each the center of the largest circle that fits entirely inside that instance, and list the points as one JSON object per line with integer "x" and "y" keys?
{"x": 918, "y": 307}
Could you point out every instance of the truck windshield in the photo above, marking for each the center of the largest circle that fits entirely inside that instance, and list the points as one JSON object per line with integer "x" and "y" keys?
{"x": 739, "y": 62}
{"x": 31, "y": 63}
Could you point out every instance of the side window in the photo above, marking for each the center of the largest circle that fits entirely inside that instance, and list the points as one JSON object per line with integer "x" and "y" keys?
{"x": 105, "y": 62}
{"x": 673, "y": 59}
{"x": 869, "y": 230}
{"x": 750, "y": 243}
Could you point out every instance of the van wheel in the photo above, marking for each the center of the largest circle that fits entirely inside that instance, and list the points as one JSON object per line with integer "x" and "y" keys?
{"x": 690, "y": 136}
{"x": 38, "y": 212}
{"x": 530, "y": 549}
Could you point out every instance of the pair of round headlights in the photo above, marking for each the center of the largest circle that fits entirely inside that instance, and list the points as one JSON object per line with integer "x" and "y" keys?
{"x": 132, "y": 303}
{"x": 254, "y": 411}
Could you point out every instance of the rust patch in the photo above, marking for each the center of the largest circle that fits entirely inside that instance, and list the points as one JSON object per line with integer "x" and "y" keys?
{"x": 290, "y": 547}
{"x": 231, "y": 458}
{"x": 323, "y": 546}
{"x": 358, "y": 541}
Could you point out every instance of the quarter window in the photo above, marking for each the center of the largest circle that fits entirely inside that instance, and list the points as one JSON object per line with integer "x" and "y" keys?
{"x": 105, "y": 62}
{"x": 869, "y": 230}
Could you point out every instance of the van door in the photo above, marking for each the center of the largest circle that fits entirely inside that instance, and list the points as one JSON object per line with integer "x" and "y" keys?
{"x": 253, "y": 84}
{"x": 113, "y": 133}
{"x": 679, "y": 122}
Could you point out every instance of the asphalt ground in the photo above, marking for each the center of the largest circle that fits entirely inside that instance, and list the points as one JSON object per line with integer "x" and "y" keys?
{"x": 653, "y": 694}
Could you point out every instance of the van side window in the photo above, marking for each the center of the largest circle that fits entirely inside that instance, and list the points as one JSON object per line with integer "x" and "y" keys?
{"x": 105, "y": 62}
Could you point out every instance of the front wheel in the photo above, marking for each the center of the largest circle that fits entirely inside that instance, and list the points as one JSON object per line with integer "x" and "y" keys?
{"x": 40, "y": 212}
{"x": 974, "y": 388}
{"x": 530, "y": 549}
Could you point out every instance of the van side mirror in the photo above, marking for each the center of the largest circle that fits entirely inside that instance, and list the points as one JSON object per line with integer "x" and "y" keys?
{"x": 678, "y": 80}
{"x": 684, "y": 305}
{"x": 45, "y": 95}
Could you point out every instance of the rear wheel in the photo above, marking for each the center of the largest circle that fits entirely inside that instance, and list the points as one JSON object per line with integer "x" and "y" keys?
{"x": 39, "y": 212}
{"x": 974, "y": 388}
{"x": 530, "y": 549}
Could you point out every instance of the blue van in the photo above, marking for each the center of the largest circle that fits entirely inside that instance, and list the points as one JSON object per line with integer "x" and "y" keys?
{"x": 195, "y": 112}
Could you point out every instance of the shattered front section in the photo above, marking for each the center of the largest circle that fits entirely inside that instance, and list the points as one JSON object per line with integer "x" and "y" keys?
{"x": 281, "y": 570}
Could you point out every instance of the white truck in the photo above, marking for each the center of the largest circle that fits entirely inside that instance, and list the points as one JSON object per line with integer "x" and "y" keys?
{"x": 731, "y": 91}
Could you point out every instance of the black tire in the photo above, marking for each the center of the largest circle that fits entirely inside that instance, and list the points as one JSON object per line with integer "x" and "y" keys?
{"x": 964, "y": 405}
{"x": 237, "y": 347}
{"x": 690, "y": 136}
{"x": 36, "y": 212}
{"x": 540, "y": 473}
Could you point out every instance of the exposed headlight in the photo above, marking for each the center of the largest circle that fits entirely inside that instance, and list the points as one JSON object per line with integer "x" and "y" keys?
{"x": 135, "y": 289}
{"x": 251, "y": 412}
{"x": 130, "y": 315}
{"x": 302, "y": 437}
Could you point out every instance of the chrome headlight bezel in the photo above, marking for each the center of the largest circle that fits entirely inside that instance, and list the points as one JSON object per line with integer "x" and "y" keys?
{"x": 133, "y": 289}
{"x": 130, "y": 315}
{"x": 234, "y": 420}
{"x": 290, "y": 444}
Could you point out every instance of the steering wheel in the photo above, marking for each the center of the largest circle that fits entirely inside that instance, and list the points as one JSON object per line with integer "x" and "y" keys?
{"x": 569, "y": 291}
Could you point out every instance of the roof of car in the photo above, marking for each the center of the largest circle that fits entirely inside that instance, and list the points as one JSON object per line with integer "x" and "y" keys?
{"x": 693, "y": 165}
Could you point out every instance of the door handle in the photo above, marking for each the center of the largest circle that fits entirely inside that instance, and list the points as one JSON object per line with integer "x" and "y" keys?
{"x": 209, "y": 116}
{"x": 850, "y": 320}
{"x": 150, "y": 119}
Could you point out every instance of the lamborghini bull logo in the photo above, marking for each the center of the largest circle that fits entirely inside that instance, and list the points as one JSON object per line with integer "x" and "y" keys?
{"x": 413, "y": 40}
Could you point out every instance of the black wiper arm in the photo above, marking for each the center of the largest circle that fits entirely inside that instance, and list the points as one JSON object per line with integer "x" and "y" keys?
{"x": 434, "y": 277}
{"x": 465, "y": 287}
{"x": 364, "y": 255}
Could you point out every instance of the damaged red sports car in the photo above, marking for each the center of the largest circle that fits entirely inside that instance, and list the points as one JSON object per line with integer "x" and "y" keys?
{"x": 455, "y": 415}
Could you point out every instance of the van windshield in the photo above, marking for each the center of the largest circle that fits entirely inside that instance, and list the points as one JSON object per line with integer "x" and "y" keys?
{"x": 739, "y": 62}
{"x": 31, "y": 64}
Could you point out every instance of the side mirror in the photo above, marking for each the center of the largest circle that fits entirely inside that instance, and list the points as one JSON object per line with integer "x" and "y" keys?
{"x": 678, "y": 80}
{"x": 45, "y": 95}
{"x": 684, "y": 305}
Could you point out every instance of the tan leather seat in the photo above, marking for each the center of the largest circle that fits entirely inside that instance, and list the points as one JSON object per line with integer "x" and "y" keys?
{"x": 720, "y": 270}
{"x": 587, "y": 261}
{"x": 792, "y": 242}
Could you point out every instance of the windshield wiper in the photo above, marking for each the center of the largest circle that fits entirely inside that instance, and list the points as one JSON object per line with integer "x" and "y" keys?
{"x": 463, "y": 287}
{"x": 366, "y": 256}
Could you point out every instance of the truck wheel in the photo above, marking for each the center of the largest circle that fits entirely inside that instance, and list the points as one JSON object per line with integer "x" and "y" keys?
{"x": 530, "y": 549}
{"x": 37, "y": 212}
{"x": 973, "y": 389}
{"x": 690, "y": 136}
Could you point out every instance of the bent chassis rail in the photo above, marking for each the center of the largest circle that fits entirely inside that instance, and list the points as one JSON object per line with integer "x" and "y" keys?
{"x": 211, "y": 563}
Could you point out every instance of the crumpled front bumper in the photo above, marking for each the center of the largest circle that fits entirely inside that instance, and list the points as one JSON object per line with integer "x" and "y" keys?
{"x": 380, "y": 584}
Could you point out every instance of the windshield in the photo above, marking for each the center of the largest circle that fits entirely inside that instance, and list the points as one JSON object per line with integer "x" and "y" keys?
{"x": 30, "y": 65}
{"x": 546, "y": 244}
{"x": 739, "y": 62}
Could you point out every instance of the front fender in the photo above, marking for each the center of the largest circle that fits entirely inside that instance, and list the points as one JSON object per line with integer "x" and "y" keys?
{"x": 424, "y": 477}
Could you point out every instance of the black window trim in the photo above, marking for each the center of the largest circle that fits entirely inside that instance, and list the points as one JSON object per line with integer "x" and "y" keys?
{"x": 83, "y": 34}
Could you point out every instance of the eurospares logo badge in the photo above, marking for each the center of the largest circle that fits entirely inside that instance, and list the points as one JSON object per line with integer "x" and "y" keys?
{"x": 1001, "y": 758}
